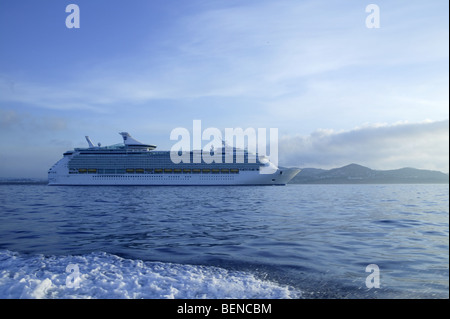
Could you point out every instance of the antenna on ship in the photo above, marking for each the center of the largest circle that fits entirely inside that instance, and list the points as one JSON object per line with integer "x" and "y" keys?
{"x": 89, "y": 141}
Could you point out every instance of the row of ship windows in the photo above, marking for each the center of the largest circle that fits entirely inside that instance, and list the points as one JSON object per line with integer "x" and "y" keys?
{"x": 159, "y": 171}
{"x": 152, "y": 156}
{"x": 162, "y": 177}
{"x": 145, "y": 162}
{"x": 81, "y": 163}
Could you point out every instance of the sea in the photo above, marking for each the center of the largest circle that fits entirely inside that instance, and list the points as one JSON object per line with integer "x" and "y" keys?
{"x": 348, "y": 241}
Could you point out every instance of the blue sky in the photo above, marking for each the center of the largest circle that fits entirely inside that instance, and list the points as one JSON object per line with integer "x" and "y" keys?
{"x": 337, "y": 91}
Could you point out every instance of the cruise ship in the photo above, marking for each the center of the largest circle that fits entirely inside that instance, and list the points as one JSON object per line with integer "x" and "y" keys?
{"x": 135, "y": 163}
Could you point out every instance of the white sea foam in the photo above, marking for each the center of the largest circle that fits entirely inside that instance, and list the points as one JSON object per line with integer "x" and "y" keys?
{"x": 103, "y": 275}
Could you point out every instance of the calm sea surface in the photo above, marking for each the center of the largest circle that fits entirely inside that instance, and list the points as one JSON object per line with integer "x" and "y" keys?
{"x": 294, "y": 241}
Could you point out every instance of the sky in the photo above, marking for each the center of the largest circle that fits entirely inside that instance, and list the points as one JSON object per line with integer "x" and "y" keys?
{"x": 337, "y": 91}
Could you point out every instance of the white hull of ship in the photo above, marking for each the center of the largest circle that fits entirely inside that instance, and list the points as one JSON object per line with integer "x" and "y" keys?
{"x": 242, "y": 178}
{"x": 59, "y": 175}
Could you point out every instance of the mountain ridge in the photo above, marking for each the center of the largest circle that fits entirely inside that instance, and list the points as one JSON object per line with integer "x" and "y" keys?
{"x": 358, "y": 174}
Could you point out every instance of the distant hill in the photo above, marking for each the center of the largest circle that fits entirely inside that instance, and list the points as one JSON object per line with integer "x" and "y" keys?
{"x": 357, "y": 174}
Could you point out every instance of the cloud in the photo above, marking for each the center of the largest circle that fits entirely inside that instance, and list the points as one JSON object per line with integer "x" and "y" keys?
{"x": 245, "y": 50}
{"x": 382, "y": 146}
{"x": 11, "y": 120}
{"x": 269, "y": 51}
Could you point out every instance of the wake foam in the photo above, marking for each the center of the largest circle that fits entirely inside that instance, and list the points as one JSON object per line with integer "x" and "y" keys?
{"x": 102, "y": 275}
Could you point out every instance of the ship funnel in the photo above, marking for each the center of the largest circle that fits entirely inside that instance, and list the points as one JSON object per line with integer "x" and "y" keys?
{"x": 130, "y": 141}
